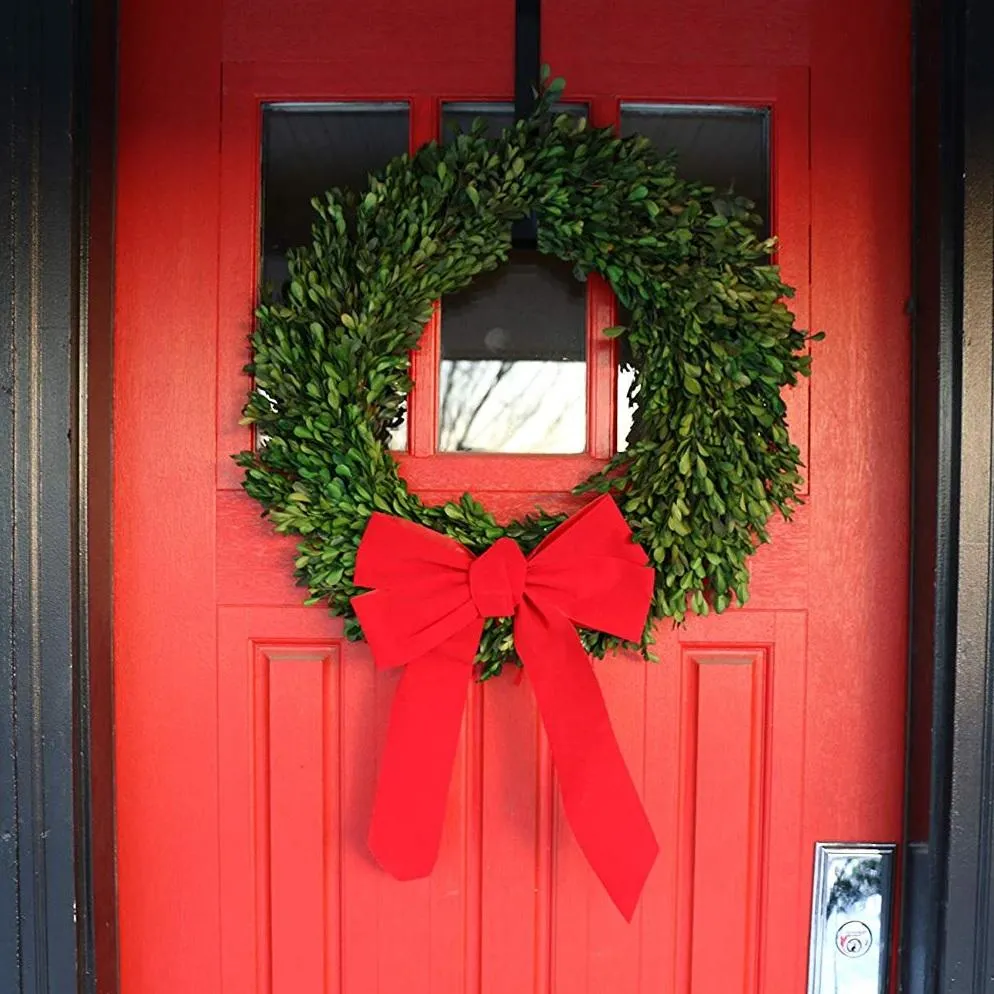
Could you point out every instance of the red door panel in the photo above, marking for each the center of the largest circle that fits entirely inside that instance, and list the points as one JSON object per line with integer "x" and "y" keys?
{"x": 301, "y": 900}
{"x": 248, "y": 730}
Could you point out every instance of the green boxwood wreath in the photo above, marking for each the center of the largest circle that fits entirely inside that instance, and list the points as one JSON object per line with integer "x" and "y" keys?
{"x": 712, "y": 344}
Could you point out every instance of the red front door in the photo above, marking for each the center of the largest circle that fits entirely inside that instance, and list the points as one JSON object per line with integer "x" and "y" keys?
{"x": 247, "y": 728}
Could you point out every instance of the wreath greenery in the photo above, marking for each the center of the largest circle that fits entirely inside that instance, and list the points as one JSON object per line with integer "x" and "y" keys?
{"x": 712, "y": 344}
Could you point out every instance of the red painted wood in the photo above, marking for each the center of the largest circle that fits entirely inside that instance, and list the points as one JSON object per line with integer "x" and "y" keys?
{"x": 729, "y": 759}
{"x": 165, "y": 693}
{"x": 248, "y": 731}
{"x": 860, "y": 244}
{"x": 422, "y": 407}
{"x": 298, "y": 783}
{"x": 517, "y": 862}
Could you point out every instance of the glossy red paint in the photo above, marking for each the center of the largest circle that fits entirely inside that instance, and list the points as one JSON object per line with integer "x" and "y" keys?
{"x": 248, "y": 730}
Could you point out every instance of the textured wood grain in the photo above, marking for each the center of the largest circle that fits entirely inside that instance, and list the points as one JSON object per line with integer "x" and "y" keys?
{"x": 166, "y": 281}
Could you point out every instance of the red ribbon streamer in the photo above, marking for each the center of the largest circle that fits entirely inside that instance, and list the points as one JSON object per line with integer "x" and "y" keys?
{"x": 425, "y": 612}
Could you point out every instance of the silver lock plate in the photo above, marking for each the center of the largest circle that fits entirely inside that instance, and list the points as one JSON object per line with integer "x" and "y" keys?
{"x": 850, "y": 918}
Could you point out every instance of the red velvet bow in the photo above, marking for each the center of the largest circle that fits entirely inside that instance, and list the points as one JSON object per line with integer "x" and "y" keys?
{"x": 426, "y": 612}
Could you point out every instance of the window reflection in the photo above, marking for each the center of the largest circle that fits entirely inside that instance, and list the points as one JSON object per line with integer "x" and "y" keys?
{"x": 514, "y": 376}
{"x": 513, "y": 368}
{"x": 512, "y": 406}
{"x": 724, "y": 147}
{"x": 627, "y": 397}
{"x": 308, "y": 149}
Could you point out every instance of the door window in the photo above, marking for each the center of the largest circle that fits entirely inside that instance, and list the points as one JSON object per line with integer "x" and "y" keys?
{"x": 726, "y": 147}
{"x": 513, "y": 374}
{"x": 308, "y": 149}
{"x": 509, "y": 352}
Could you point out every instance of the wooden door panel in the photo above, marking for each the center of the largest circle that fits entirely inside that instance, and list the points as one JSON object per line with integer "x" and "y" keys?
{"x": 297, "y": 699}
{"x": 304, "y": 908}
{"x": 578, "y": 36}
{"x": 720, "y": 727}
{"x": 254, "y": 566}
{"x": 165, "y": 678}
{"x": 248, "y": 731}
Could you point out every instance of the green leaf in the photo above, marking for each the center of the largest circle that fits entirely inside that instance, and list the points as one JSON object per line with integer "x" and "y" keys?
{"x": 615, "y": 332}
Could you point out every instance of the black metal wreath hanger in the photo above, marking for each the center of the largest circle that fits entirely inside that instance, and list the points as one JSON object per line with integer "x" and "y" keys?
{"x": 527, "y": 71}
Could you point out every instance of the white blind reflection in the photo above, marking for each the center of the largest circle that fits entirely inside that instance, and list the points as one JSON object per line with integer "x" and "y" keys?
{"x": 626, "y": 407}
{"x": 495, "y": 405}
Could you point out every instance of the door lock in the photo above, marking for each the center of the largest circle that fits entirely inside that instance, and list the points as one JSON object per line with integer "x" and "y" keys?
{"x": 851, "y": 918}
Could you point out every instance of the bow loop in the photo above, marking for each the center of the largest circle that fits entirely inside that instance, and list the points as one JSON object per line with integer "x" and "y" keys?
{"x": 395, "y": 551}
{"x": 426, "y": 613}
{"x": 599, "y": 529}
{"x": 602, "y": 593}
{"x": 593, "y": 572}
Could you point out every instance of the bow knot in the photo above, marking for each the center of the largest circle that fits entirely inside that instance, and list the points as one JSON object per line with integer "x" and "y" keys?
{"x": 497, "y": 579}
{"x": 425, "y": 612}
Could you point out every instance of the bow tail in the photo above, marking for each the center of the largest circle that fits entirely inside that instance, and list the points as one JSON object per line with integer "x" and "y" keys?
{"x": 599, "y": 797}
{"x": 416, "y": 763}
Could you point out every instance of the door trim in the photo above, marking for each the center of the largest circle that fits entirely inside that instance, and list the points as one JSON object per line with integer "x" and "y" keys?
{"x": 950, "y": 881}
{"x": 57, "y": 907}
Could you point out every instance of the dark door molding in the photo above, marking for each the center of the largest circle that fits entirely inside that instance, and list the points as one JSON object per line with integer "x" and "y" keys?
{"x": 55, "y": 238}
{"x": 949, "y": 915}
{"x": 965, "y": 959}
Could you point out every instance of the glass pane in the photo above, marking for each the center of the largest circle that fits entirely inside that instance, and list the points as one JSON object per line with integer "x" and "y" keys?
{"x": 725, "y": 147}
{"x": 306, "y": 150}
{"x": 514, "y": 374}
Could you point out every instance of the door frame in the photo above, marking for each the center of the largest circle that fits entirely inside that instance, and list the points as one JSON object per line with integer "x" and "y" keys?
{"x": 56, "y": 775}
{"x": 57, "y": 99}
{"x": 949, "y": 902}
